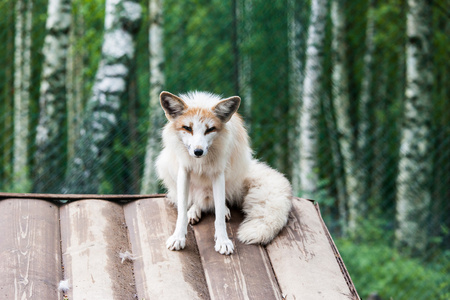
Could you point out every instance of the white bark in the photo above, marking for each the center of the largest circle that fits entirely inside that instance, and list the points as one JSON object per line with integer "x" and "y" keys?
{"x": 413, "y": 181}
{"x": 122, "y": 20}
{"x": 149, "y": 184}
{"x": 341, "y": 102}
{"x": 22, "y": 77}
{"x": 344, "y": 156}
{"x": 295, "y": 47}
{"x": 75, "y": 82}
{"x": 312, "y": 93}
{"x": 51, "y": 149}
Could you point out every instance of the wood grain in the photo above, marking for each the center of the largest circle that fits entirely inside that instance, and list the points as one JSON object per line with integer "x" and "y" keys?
{"x": 159, "y": 272}
{"x": 246, "y": 274}
{"x": 88, "y": 235}
{"x": 303, "y": 260}
{"x": 93, "y": 234}
{"x": 30, "y": 261}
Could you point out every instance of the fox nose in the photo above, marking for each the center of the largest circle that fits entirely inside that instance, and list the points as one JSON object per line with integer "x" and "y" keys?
{"x": 198, "y": 152}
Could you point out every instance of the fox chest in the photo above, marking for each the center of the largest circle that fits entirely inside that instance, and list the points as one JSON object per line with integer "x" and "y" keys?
{"x": 201, "y": 181}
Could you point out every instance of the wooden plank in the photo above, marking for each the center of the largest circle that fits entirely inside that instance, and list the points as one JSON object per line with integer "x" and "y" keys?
{"x": 76, "y": 196}
{"x": 303, "y": 259}
{"x": 338, "y": 257}
{"x": 93, "y": 233}
{"x": 30, "y": 259}
{"x": 159, "y": 272}
{"x": 246, "y": 274}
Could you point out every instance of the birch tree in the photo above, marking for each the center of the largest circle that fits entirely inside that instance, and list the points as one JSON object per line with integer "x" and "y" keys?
{"x": 312, "y": 93}
{"x": 122, "y": 18}
{"x": 22, "y": 77}
{"x": 341, "y": 105}
{"x": 296, "y": 47}
{"x": 50, "y": 156}
{"x": 149, "y": 184}
{"x": 415, "y": 170}
{"x": 75, "y": 66}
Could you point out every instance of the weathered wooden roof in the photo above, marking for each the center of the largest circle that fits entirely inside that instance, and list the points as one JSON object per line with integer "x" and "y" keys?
{"x": 85, "y": 242}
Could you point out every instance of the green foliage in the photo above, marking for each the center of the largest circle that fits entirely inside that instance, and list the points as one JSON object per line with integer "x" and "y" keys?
{"x": 198, "y": 47}
{"x": 378, "y": 267}
{"x": 22, "y": 185}
{"x": 88, "y": 22}
{"x": 375, "y": 265}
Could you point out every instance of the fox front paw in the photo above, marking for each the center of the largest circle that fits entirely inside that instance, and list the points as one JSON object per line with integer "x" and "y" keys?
{"x": 224, "y": 246}
{"x": 176, "y": 242}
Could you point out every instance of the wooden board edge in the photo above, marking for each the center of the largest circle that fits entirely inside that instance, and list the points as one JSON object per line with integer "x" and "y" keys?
{"x": 337, "y": 255}
{"x": 53, "y": 197}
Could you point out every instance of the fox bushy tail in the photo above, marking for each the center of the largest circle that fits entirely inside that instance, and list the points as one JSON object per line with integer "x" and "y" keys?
{"x": 266, "y": 205}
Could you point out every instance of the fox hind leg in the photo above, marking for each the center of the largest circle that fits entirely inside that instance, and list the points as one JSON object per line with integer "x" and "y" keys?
{"x": 194, "y": 214}
{"x": 227, "y": 213}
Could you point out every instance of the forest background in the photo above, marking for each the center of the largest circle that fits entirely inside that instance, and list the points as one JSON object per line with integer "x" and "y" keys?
{"x": 349, "y": 99}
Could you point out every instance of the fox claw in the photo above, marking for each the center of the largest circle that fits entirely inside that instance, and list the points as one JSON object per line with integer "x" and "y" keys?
{"x": 224, "y": 246}
{"x": 175, "y": 243}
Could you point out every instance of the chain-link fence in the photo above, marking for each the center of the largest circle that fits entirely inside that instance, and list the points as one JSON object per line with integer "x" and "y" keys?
{"x": 78, "y": 115}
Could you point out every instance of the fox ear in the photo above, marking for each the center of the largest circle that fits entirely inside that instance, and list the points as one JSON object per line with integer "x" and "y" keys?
{"x": 172, "y": 105}
{"x": 225, "y": 109}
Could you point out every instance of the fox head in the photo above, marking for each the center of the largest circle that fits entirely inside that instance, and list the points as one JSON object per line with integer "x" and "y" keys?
{"x": 198, "y": 125}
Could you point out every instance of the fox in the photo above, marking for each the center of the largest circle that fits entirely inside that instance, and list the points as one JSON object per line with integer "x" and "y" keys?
{"x": 206, "y": 164}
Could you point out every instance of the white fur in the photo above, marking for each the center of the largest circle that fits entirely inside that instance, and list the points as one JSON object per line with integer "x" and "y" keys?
{"x": 64, "y": 286}
{"x": 126, "y": 256}
{"x": 225, "y": 171}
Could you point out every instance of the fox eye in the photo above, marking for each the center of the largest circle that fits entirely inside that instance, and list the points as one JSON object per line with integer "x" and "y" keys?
{"x": 187, "y": 128}
{"x": 209, "y": 130}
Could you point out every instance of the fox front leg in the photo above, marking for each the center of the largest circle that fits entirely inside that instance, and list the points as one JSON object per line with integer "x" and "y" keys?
{"x": 177, "y": 240}
{"x": 223, "y": 244}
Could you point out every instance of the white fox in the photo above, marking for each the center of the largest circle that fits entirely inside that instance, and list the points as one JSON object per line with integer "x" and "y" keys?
{"x": 206, "y": 160}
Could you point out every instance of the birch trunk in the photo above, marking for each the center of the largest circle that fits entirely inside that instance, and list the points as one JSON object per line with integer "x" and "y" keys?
{"x": 75, "y": 66}
{"x": 101, "y": 114}
{"x": 341, "y": 104}
{"x": 150, "y": 184}
{"x": 296, "y": 47}
{"x": 244, "y": 25}
{"x": 415, "y": 171}
{"x": 50, "y": 156}
{"x": 312, "y": 93}
{"x": 22, "y": 77}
